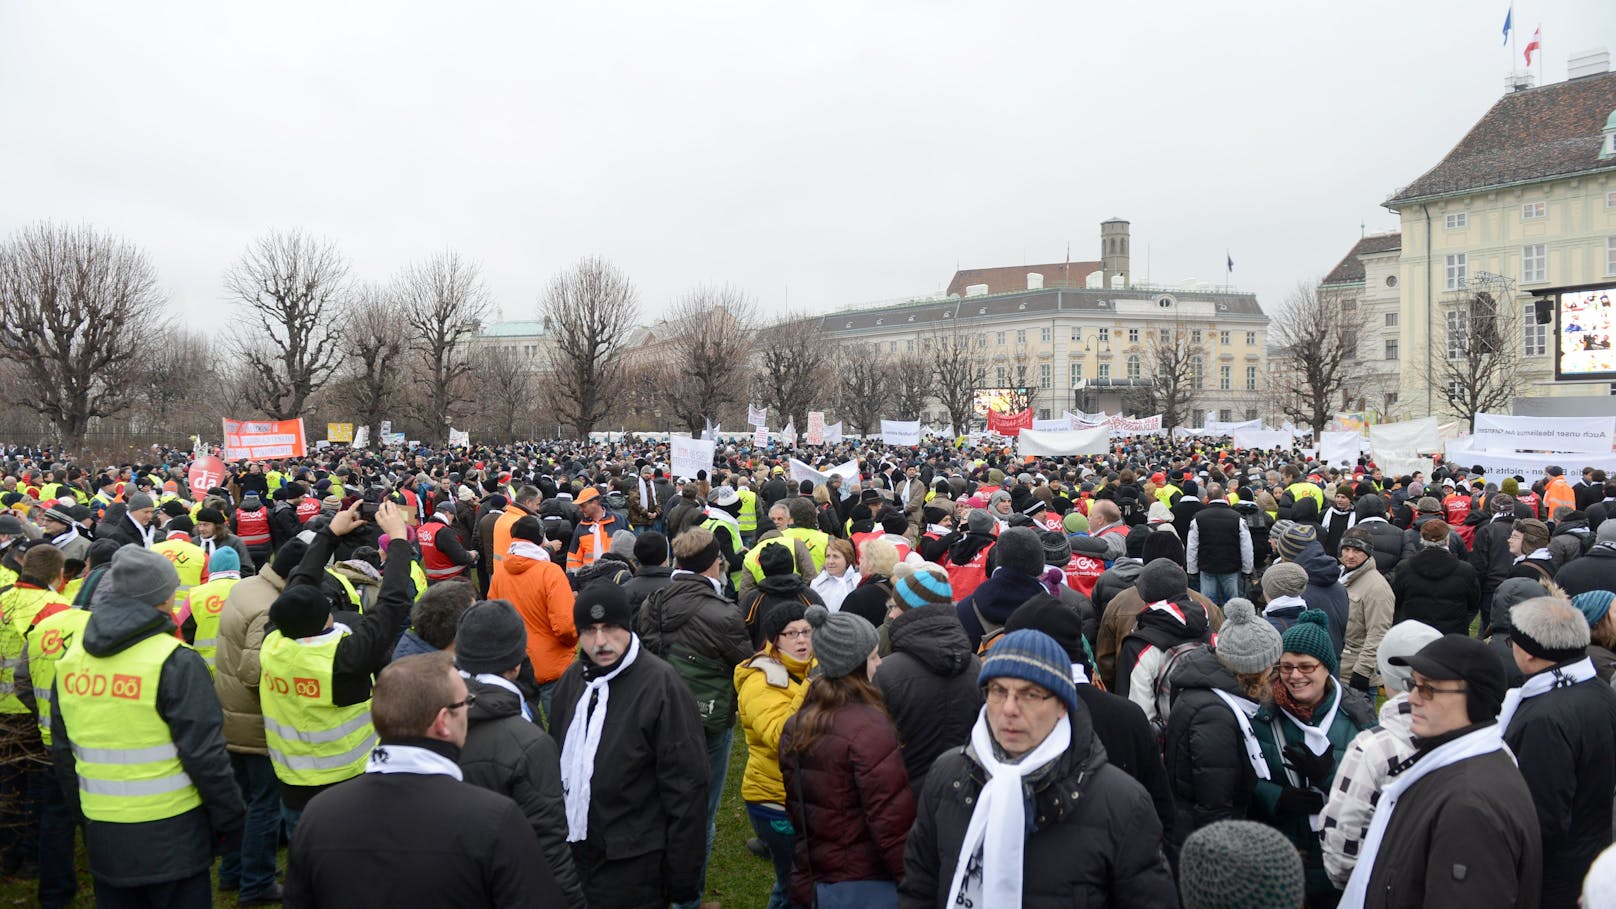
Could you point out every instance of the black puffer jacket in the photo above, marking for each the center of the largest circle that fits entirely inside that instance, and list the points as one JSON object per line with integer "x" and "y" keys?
{"x": 1206, "y": 758}
{"x": 1594, "y": 571}
{"x": 929, "y": 683}
{"x": 1490, "y": 555}
{"x": 1371, "y": 513}
{"x": 508, "y": 754}
{"x": 1433, "y": 586}
{"x": 1094, "y": 839}
{"x": 1412, "y": 544}
{"x": 1324, "y": 590}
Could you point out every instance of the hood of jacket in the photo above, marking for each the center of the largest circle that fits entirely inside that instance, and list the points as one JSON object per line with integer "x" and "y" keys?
{"x": 684, "y": 597}
{"x": 1201, "y": 668}
{"x": 1433, "y": 562}
{"x": 934, "y": 636}
{"x": 1322, "y": 570}
{"x": 1395, "y": 717}
{"x": 493, "y": 703}
{"x": 1083, "y": 544}
{"x": 118, "y": 622}
{"x": 965, "y": 548}
{"x": 1124, "y": 571}
{"x": 1305, "y": 510}
{"x": 1182, "y": 618}
{"x": 1369, "y": 506}
{"x": 1005, "y": 590}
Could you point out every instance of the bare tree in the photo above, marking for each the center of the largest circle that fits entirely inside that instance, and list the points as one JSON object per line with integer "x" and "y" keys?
{"x": 707, "y": 340}
{"x": 1017, "y": 363}
{"x": 590, "y": 308}
{"x": 959, "y": 372}
{"x": 374, "y": 347}
{"x": 444, "y": 303}
{"x": 1479, "y": 366}
{"x": 911, "y": 384}
{"x": 508, "y": 382}
{"x": 1177, "y": 374}
{"x": 174, "y": 383}
{"x": 293, "y": 289}
{"x": 794, "y": 356}
{"x": 864, "y": 384}
{"x": 78, "y": 309}
{"x": 1317, "y": 362}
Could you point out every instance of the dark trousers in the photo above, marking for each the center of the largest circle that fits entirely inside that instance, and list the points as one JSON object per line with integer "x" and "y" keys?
{"x": 252, "y": 867}
{"x": 58, "y": 882}
{"x": 774, "y": 828}
{"x": 24, "y": 766}
{"x": 632, "y": 883}
{"x": 195, "y": 891}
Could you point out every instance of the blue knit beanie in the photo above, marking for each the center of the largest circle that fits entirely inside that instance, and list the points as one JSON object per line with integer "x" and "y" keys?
{"x": 1594, "y": 604}
{"x": 1035, "y": 657}
{"x": 225, "y": 558}
{"x": 1310, "y": 636}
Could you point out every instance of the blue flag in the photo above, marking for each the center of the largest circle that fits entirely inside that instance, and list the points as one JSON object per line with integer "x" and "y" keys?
{"x": 1507, "y": 17}
{"x": 1231, "y": 261}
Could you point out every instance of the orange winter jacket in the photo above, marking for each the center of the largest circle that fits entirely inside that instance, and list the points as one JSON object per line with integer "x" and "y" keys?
{"x": 541, "y": 593}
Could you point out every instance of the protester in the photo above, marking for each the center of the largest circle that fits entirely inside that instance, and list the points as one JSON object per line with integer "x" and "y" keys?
{"x": 839, "y": 577}
{"x": 1435, "y": 586}
{"x": 539, "y": 589}
{"x": 409, "y": 831}
{"x": 928, "y": 680}
{"x": 1240, "y": 865}
{"x": 1030, "y": 812}
{"x": 1371, "y": 605}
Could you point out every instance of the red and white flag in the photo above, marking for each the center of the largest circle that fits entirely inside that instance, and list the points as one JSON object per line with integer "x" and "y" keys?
{"x": 1535, "y": 44}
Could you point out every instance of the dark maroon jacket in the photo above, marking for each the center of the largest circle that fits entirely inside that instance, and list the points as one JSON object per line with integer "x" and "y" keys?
{"x": 854, "y": 791}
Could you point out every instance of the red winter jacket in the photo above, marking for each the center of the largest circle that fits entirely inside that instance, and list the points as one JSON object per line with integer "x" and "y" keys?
{"x": 858, "y": 802}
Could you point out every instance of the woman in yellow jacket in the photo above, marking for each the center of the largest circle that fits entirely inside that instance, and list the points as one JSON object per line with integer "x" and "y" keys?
{"x": 769, "y": 690}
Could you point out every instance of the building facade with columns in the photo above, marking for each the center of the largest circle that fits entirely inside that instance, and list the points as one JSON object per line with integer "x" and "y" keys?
{"x": 1080, "y": 335}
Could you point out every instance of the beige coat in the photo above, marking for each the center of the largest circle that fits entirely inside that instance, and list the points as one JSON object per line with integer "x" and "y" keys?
{"x": 1369, "y": 613}
{"x": 236, "y": 671}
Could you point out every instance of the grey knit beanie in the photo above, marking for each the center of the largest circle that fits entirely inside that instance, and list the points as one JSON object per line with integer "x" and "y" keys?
{"x": 1161, "y": 579}
{"x": 1246, "y": 643}
{"x": 143, "y": 575}
{"x": 1240, "y": 865}
{"x": 842, "y": 641}
{"x": 978, "y": 521}
{"x": 491, "y": 638}
{"x": 1020, "y": 550}
{"x": 1294, "y": 539}
{"x": 1284, "y": 579}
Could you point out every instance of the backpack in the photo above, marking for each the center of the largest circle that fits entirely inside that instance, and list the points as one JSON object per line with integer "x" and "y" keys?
{"x": 1256, "y": 520}
{"x": 990, "y": 632}
{"x": 1133, "y": 511}
{"x": 1163, "y": 686}
{"x": 711, "y": 682}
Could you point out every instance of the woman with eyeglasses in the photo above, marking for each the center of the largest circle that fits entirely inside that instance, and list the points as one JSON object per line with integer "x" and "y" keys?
{"x": 1304, "y": 729}
{"x": 847, "y": 792}
{"x": 769, "y": 690}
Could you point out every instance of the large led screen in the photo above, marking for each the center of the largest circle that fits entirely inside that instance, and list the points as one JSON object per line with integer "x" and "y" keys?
{"x": 1583, "y": 334}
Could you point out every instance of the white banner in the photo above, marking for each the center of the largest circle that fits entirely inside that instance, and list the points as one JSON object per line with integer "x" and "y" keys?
{"x": 816, "y": 427}
{"x": 1496, "y": 464}
{"x": 1496, "y": 431}
{"x": 900, "y": 432}
{"x": 1341, "y": 449}
{"x": 712, "y": 430}
{"x": 1398, "y": 464}
{"x": 757, "y": 416}
{"x": 361, "y": 437}
{"x": 789, "y": 434}
{"x": 833, "y": 433}
{"x": 1262, "y": 438}
{"x": 1090, "y": 418}
{"x": 691, "y": 456}
{"x": 760, "y": 438}
{"x": 848, "y": 471}
{"x": 1221, "y": 428}
{"x": 459, "y": 438}
{"x": 1064, "y": 424}
{"x": 1131, "y": 426}
{"x": 1040, "y": 443}
{"x": 1412, "y": 437}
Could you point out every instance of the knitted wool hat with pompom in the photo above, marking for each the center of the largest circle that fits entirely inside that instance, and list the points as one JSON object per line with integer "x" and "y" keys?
{"x": 1247, "y": 643}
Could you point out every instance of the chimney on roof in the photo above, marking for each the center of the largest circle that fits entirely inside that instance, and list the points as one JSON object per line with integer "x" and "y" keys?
{"x": 975, "y": 290}
{"x": 1594, "y": 62}
{"x": 1518, "y": 82}
{"x": 1035, "y": 281}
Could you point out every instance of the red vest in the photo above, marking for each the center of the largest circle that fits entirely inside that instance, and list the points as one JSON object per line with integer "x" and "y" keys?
{"x": 1083, "y": 572}
{"x": 1457, "y": 508}
{"x": 307, "y": 508}
{"x": 253, "y": 527}
{"x": 438, "y": 566}
{"x": 859, "y": 539}
{"x": 1530, "y": 500}
{"x": 964, "y": 579}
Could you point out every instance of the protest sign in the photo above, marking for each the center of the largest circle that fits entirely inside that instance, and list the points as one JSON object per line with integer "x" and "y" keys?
{"x": 1009, "y": 424}
{"x": 259, "y": 439}
{"x": 339, "y": 432}
{"x": 816, "y": 427}
{"x": 1503, "y": 432}
{"x": 691, "y": 456}
{"x": 206, "y": 472}
{"x": 900, "y": 432}
{"x": 757, "y": 416}
{"x": 1064, "y": 444}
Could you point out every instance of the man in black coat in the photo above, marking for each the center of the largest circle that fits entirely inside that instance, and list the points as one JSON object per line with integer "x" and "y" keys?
{"x": 929, "y": 679}
{"x": 1594, "y": 571}
{"x": 506, "y": 751}
{"x": 1561, "y": 724}
{"x": 408, "y": 831}
{"x": 636, "y": 784}
{"x": 129, "y": 525}
{"x": 1490, "y": 552}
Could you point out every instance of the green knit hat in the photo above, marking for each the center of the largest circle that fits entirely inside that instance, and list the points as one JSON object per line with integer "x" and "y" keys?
{"x": 1310, "y": 636}
{"x": 1240, "y": 865}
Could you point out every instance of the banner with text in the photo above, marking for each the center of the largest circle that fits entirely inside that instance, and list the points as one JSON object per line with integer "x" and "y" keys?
{"x": 1407, "y": 438}
{"x": 816, "y": 427}
{"x": 848, "y": 471}
{"x": 691, "y": 456}
{"x": 459, "y": 438}
{"x": 1130, "y": 426}
{"x": 760, "y": 437}
{"x": 1511, "y": 433}
{"x": 362, "y": 437}
{"x": 1341, "y": 449}
{"x": 1067, "y": 443}
{"x": 1061, "y": 425}
{"x": 259, "y": 439}
{"x": 1498, "y": 464}
{"x": 903, "y": 432}
{"x": 757, "y": 416}
{"x": 1009, "y": 424}
{"x": 339, "y": 432}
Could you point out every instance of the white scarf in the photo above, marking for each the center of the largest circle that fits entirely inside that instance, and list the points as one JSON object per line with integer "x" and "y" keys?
{"x": 1079, "y": 677}
{"x": 411, "y": 759}
{"x": 1483, "y": 741}
{"x": 583, "y": 739}
{"x": 66, "y": 537}
{"x": 1542, "y": 683}
{"x": 647, "y": 494}
{"x": 1244, "y": 709}
{"x": 1317, "y": 736}
{"x": 528, "y": 549}
{"x": 146, "y": 531}
{"x": 998, "y": 827}
{"x": 499, "y": 681}
{"x": 1283, "y": 602}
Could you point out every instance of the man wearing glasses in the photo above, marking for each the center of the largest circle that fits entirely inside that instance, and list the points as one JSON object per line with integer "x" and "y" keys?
{"x": 1455, "y": 826}
{"x": 409, "y": 832}
{"x": 1087, "y": 835}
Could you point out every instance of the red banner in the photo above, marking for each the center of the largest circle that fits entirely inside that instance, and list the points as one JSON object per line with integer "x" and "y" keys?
{"x": 1009, "y": 424}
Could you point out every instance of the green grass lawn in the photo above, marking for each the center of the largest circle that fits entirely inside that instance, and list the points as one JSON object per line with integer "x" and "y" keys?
{"x": 735, "y": 877}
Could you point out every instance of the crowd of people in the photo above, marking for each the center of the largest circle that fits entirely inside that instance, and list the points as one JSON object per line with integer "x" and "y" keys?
{"x": 1176, "y": 674}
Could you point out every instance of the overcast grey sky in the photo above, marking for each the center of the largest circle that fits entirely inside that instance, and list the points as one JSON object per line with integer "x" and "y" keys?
{"x": 849, "y": 151}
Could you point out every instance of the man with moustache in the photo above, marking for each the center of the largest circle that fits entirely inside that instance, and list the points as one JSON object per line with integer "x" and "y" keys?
{"x": 633, "y": 763}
